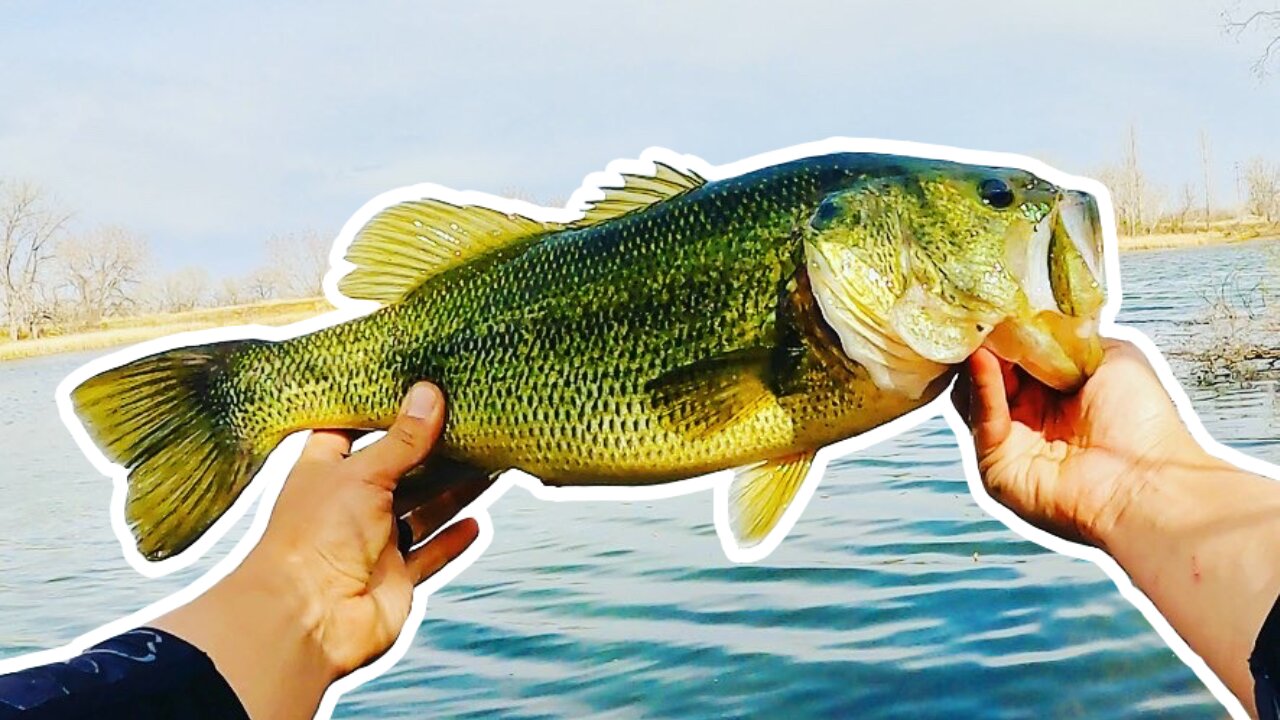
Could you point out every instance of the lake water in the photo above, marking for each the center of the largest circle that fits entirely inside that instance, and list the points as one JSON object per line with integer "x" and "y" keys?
{"x": 874, "y": 607}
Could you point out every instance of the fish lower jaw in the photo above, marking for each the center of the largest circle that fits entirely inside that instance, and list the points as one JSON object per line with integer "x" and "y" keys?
{"x": 1058, "y": 350}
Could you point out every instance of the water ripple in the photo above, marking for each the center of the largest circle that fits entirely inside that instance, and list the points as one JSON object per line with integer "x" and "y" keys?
{"x": 895, "y": 595}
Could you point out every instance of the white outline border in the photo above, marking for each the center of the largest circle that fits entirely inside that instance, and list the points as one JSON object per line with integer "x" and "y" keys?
{"x": 270, "y": 479}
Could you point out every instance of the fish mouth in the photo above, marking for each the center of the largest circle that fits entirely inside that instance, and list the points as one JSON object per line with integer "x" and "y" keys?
{"x": 1060, "y": 267}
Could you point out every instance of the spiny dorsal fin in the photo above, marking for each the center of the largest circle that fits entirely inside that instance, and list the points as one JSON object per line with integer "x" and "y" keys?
{"x": 760, "y": 494}
{"x": 641, "y": 191}
{"x": 407, "y": 243}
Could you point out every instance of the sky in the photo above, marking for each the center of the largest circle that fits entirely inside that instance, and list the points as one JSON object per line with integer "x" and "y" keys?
{"x": 208, "y": 128}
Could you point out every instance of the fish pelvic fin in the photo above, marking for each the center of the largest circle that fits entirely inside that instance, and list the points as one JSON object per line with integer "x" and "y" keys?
{"x": 408, "y": 243}
{"x": 159, "y": 418}
{"x": 760, "y": 494}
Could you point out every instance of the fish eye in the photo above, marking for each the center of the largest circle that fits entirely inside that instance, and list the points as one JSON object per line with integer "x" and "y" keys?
{"x": 996, "y": 193}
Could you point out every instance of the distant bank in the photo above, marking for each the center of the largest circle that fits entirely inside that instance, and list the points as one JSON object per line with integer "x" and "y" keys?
{"x": 115, "y": 332}
{"x": 1163, "y": 241}
{"x": 1217, "y": 234}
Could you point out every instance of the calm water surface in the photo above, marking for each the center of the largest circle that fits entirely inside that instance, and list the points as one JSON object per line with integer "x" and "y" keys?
{"x": 874, "y": 607}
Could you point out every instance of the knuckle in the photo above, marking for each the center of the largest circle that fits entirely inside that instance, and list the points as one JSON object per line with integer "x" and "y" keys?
{"x": 402, "y": 434}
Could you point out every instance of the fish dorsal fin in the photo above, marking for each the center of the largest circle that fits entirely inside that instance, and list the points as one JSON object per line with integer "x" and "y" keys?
{"x": 760, "y": 495}
{"x": 641, "y": 191}
{"x": 407, "y": 243}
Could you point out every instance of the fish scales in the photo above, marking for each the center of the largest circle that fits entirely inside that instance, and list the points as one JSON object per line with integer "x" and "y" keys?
{"x": 682, "y": 327}
{"x": 551, "y": 345}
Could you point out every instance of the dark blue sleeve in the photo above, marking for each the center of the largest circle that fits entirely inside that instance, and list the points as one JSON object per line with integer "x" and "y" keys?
{"x": 144, "y": 673}
{"x": 1264, "y": 663}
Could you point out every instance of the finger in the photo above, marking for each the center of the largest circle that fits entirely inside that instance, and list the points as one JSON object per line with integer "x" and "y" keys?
{"x": 328, "y": 445}
{"x": 1012, "y": 377}
{"x": 407, "y": 441}
{"x": 404, "y": 537}
{"x": 990, "y": 406}
{"x": 433, "y": 514}
{"x": 427, "y": 560}
{"x": 425, "y": 483}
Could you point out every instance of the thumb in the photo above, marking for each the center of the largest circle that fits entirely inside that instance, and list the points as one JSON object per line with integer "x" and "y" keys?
{"x": 408, "y": 440}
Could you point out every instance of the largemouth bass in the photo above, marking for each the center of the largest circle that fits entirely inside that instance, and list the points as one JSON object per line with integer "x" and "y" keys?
{"x": 679, "y": 326}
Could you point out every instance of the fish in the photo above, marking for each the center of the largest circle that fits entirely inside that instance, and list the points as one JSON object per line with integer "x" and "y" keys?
{"x": 676, "y": 326}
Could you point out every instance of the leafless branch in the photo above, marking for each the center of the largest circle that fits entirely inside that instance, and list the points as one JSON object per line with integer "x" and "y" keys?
{"x": 1257, "y": 21}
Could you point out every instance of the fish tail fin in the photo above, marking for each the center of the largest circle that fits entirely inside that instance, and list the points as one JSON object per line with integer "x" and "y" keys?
{"x": 163, "y": 419}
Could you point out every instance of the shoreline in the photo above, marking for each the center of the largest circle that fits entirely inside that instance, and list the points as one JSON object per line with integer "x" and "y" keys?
{"x": 1199, "y": 238}
{"x": 119, "y": 332}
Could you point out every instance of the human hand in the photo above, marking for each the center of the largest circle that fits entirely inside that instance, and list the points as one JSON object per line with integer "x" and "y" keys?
{"x": 327, "y": 590}
{"x": 334, "y": 534}
{"x": 1071, "y": 464}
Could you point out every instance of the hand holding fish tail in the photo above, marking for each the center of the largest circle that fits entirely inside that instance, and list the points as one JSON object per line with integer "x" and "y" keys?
{"x": 327, "y": 589}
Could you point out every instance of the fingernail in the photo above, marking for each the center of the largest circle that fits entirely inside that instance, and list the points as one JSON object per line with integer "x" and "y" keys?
{"x": 420, "y": 401}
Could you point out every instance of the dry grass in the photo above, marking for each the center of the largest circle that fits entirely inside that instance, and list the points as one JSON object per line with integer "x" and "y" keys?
{"x": 1220, "y": 232}
{"x": 128, "y": 330}
{"x": 1161, "y": 241}
{"x": 1234, "y": 338}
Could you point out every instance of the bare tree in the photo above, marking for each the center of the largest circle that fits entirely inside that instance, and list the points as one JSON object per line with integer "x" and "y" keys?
{"x": 1137, "y": 202}
{"x": 179, "y": 291}
{"x": 298, "y": 262}
{"x": 29, "y": 226}
{"x": 1204, "y": 167}
{"x": 1185, "y": 206}
{"x": 263, "y": 284}
{"x": 1264, "y": 22}
{"x": 100, "y": 269}
{"x": 1262, "y": 183}
{"x": 233, "y": 291}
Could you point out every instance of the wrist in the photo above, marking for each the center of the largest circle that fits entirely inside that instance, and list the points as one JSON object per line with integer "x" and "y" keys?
{"x": 288, "y": 603}
{"x": 259, "y": 630}
{"x": 1154, "y": 490}
{"x": 1166, "y": 499}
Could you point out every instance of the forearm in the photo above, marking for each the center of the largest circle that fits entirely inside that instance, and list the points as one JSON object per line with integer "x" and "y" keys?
{"x": 143, "y": 672}
{"x": 1201, "y": 539}
{"x": 258, "y": 632}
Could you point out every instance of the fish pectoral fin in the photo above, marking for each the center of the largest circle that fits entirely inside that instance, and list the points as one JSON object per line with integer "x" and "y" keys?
{"x": 705, "y": 397}
{"x": 640, "y": 191}
{"x": 405, "y": 244}
{"x": 760, "y": 494}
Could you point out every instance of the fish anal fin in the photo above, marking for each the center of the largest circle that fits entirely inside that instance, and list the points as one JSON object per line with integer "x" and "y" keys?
{"x": 707, "y": 396}
{"x": 640, "y": 191}
{"x": 407, "y": 243}
{"x": 760, "y": 494}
